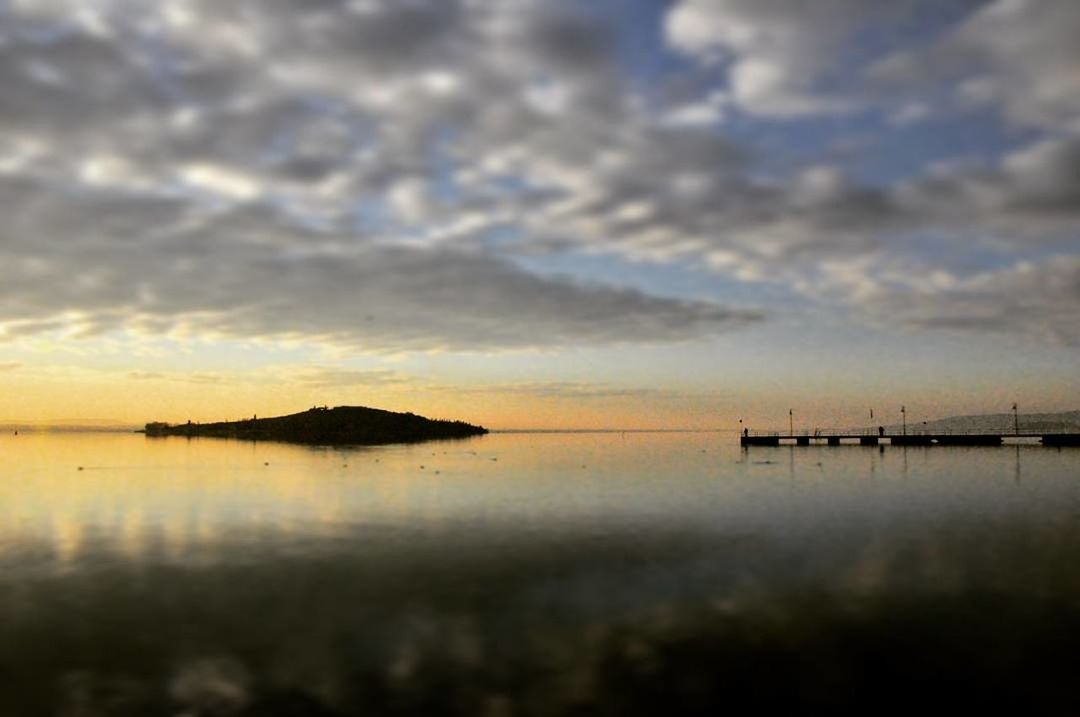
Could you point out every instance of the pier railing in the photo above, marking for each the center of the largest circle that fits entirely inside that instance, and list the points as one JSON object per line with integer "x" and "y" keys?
{"x": 911, "y": 431}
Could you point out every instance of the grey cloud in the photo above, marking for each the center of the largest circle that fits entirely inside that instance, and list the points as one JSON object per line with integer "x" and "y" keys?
{"x": 44, "y": 76}
{"x": 396, "y": 35}
{"x": 338, "y": 171}
{"x": 1032, "y": 192}
{"x": 222, "y": 146}
{"x": 1020, "y": 55}
{"x": 575, "y": 390}
{"x": 565, "y": 40}
{"x": 401, "y": 298}
{"x": 146, "y": 375}
{"x": 329, "y": 377}
{"x": 782, "y": 57}
{"x": 197, "y": 377}
{"x": 1036, "y": 300}
{"x": 369, "y": 295}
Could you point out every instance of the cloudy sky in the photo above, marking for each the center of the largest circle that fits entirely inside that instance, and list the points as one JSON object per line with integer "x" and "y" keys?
{"x": 539, "y": 213}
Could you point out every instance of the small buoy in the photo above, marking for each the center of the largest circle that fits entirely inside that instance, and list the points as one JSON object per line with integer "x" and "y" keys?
{"x": 80, "y": 467}
{"x": 437, "y": 472}
{"x": 267, "y": 463}
{"x": 421, "y": 467}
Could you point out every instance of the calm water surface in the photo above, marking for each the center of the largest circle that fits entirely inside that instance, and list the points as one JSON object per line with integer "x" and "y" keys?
{"x": 534, "y": 574}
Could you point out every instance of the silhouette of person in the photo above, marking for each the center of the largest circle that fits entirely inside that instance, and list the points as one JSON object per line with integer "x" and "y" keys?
{"x": 881, "y": 430}
{"x": 745, "y": 432}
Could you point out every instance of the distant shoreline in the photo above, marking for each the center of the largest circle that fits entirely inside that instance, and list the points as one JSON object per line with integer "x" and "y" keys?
{"x": 40, "y": 428}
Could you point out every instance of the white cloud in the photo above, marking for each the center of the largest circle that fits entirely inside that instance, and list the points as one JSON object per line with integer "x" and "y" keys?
{"x": 777, "y": 50}
{"x": 704, "y": 112}
{"x": 228, "y": 183}
{"x": 911, "y": 113}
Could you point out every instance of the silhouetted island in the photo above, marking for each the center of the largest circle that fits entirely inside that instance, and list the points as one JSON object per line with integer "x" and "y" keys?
{"x": 341, "y": 425}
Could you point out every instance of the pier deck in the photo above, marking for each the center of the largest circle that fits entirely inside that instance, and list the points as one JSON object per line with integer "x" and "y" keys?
{"x": 901, "y": 439}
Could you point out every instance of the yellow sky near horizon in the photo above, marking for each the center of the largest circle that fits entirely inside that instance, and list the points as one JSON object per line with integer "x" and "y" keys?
{"x": 756, "y": 374}
{"x": 74, "y": 394}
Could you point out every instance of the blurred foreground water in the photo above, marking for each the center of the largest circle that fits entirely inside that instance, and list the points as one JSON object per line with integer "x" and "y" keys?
{"x": 534, "y": 574}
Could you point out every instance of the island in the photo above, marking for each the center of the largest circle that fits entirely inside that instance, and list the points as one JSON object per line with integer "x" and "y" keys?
{"x": 342, "y": 425}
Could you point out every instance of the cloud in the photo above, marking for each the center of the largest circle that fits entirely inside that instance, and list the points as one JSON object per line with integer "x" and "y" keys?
{"x": 777, "y": 52}
{"x": 788, "y": 59}
{"x": 198, "y": 377}
{"x": 371, "y": 173}
{"x": 1036, "y": 300}
{"x": 10, "y": 366}
{"x": 573, "y": 390}
{"x": 1033, "y": 191}
{"x": 252, "y": 169}
{"x": 331, "y": 377}
{"x": 1020, "y": 55}
{"x": 244, "y": 275}
{"x": 146, "y": 375}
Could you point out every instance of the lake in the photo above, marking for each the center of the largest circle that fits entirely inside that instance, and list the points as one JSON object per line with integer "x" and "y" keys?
{"x": 534, "y": 574}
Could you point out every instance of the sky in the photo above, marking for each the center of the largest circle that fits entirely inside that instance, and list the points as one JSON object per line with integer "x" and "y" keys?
{"x": 539, "y": 214}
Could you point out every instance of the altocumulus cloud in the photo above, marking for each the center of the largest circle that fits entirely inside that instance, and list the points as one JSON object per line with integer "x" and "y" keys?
{"x": 372, "y": 173}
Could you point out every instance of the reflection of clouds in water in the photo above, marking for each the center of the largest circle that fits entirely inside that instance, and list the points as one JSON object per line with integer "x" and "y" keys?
{"x": 133, "y": 529}
{"x": 794, "y": 650}
{"x": 216, "y": 687}
{"x": 67, "y": 539}
{"x": 210, "y": 501}
{"x": 175, "y": 503}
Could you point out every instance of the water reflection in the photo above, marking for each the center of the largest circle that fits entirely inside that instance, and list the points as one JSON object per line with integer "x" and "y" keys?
{"x": 674, "y": 574}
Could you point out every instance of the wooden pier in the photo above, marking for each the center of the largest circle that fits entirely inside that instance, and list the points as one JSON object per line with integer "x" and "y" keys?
{"x": 904, "y": 439}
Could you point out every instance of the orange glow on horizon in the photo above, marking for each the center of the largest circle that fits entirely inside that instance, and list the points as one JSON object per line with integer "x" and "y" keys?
{"x": 122, "y": 400}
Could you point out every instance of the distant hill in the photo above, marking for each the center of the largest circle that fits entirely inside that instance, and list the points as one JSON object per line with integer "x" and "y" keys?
{"x": 1069, "y": 421}
{"x": 343, "y": 425}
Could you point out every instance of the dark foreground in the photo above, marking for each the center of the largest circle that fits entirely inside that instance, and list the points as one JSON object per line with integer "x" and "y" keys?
{"x": 342, "y": 425}
{"x": 540, "y": 635}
